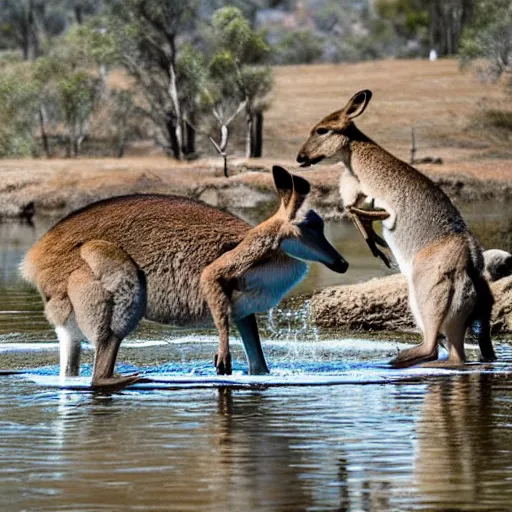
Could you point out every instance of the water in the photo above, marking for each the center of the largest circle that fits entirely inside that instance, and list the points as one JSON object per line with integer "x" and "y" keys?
{"x": 431, "y": 443}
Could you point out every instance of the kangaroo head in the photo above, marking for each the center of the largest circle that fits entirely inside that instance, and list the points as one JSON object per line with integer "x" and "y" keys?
{"x": 332, "y": 135}
{"x": 302, "y": 232}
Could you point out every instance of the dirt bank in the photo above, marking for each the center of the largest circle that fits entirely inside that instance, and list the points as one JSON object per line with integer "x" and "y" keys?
{"x": 381, "y": 304}
{"x": 57, "y": 187}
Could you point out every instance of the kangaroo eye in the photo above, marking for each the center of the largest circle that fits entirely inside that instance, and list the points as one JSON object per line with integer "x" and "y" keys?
{"x": 321, "y": 131}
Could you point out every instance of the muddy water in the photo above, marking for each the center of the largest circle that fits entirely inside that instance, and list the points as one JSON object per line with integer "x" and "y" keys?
{"x": 435, "y": 443}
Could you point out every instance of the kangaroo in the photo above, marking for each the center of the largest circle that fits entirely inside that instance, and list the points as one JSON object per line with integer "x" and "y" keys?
{"x": 175, "y": 260}
{"x": 441, "y": 259}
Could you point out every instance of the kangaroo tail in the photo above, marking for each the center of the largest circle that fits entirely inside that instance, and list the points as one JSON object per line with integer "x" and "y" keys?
{"x": 482, "y": 313}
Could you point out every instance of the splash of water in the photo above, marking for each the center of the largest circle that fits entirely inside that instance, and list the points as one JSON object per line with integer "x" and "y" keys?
{"x": 292, "y": 324}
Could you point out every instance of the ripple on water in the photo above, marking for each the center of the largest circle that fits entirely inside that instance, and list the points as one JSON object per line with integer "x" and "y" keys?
{"x": 433, "y": 444}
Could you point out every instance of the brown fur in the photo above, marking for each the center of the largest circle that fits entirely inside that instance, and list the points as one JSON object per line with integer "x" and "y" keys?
{"x": 426, "y": 233}
{"x": 168, "y": 259}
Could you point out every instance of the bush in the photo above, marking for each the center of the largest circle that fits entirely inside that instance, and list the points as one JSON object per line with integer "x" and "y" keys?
{"x": 299, "y": 47}
{"x": 18, "y": 107}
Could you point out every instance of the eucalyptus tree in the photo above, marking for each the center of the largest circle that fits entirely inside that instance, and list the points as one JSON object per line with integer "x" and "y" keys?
{"x": 243, "y": 54}
{"x": 489, "y": 37}
{"x": 69, "y": 90}
{"x": 148, "y": 35}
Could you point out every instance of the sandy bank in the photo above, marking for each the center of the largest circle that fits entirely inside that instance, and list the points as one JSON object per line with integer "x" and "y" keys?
{"x": 57, "y": 187}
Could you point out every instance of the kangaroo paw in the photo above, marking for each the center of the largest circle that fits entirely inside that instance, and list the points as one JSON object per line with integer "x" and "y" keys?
{"x": 413, "y": 356}
{"x": 369, "y": 214}
{"x": 223, "y": 363}
{"x": 115, "y": 383}
{"x": 489, "y": 356}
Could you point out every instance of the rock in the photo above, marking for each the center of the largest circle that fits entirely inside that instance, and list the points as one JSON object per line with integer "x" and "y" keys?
{"x": 378, "y": 304}
{"x": 382, "y": 304}
{"x": 502, "y": 311}
{"x": 498, "y": 264}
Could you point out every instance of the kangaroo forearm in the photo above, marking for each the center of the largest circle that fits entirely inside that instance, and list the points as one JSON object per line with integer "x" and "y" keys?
{"x": 371, "y": 215}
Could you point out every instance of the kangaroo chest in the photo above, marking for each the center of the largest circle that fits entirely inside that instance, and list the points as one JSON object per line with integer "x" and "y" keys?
{"x": 263, "y": 286}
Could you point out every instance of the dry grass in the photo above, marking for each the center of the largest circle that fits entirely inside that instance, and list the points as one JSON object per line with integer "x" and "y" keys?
{"x": 439, "y": 101}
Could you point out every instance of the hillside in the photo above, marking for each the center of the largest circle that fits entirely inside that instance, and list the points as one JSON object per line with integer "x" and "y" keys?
{"x": 436, "y": 99}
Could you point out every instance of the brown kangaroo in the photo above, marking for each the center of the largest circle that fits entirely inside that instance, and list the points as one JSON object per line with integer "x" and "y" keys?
{"x": 441, "y": 259}
{"x": 171, "y": 260}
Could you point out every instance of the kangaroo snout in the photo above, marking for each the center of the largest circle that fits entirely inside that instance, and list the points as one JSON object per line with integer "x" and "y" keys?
{"x": 305, "y": 161}
{"x": 340, "y": 265}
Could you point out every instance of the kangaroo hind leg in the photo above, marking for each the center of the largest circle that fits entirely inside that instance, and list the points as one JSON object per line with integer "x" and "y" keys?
{"x": 431, "y": 294}
{"x": 108, "y": 295}
{"x": 70, "y": 337}
{"x": 59, "y": 312}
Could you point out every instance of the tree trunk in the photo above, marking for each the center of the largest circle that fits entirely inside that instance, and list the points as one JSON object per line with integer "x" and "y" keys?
{"x": 257, "y": 135}
{"x": 448, "y": 18}
{"x": 174, "y": 145}
{"x": 79, "y": 17}
{"x": 32, "y": 32}
{"x": 248, "y": 130}
{"x": 121, "y": 146}
{"x": 173, "y": 93}
{"x": 189, "y": 136}
{"x": 44, "y": 135}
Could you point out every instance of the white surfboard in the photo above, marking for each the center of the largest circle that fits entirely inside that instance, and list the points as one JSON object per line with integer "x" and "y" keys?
{"x": 370, "y": 375}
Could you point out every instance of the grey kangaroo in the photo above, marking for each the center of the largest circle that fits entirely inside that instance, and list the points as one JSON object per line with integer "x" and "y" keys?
{"x": 171, "y": 260}
{"x": 441, "y": 259}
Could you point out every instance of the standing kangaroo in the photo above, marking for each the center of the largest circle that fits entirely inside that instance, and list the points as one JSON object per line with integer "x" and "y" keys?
{"x": 171, "y": 260}
{"x": 441, "y": 259}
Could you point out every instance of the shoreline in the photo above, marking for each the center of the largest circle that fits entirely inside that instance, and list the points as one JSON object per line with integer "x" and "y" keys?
{"x": 57, "y": 187}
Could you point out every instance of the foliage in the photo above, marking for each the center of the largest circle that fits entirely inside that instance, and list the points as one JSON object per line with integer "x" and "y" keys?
{"x": 490, "y": 38}
{"x": 410, "y": 18}
{"x": 299, "y": 47}
{"x": 147, "y": 37}
{"x": 18, "y": 107}
{"x": 68, "y": 91}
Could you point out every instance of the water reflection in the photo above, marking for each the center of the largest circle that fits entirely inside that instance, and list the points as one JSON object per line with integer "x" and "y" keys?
{"x": 465, "y": 443}
{"x": 434, "y": 445}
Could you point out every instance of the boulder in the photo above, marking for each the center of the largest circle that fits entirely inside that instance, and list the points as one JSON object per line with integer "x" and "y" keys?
{"x": 498, "y": 264}
{"x": 382, "y": 304}
{"x": 378, "y": 304}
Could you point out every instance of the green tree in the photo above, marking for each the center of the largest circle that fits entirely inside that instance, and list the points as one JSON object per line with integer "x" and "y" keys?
{"x": 148, "y": 35}
{"x": 410, "y": 18}
{"x": 69, "y": 91}
{"x": 240, "y": 64}
{"x": 18, "y": 110}
{"x": 490, "y": 38}
{"x": 27, "y": 24}
{"x": 299, "y": 47}
{"x": 447, "y": 21}
{"x": 436, "y": 23}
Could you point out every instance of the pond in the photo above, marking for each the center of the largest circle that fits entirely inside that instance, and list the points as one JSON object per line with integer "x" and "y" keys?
{"x": 436, "y": 442}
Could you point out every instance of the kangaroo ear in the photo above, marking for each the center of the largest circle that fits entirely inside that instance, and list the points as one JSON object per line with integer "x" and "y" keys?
{"x": 284, "y": 184}
{"x": 291, "y": 189}
{"x": 357, "y": 104}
